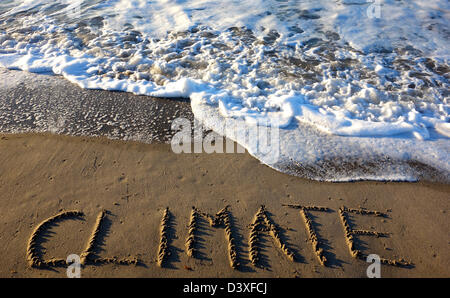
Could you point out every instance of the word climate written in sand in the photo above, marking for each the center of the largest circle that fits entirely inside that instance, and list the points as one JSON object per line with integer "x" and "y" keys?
{"x": 262, "y": 223}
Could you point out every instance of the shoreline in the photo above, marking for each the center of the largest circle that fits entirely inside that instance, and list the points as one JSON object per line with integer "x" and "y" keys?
{"x": 44, "y": 174}
{"x": 64, "y": 108}
{"x": 244, "y": 140}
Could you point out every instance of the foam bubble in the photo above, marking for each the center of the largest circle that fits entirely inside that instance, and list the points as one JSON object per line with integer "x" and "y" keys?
{"x": 330, "y": 66}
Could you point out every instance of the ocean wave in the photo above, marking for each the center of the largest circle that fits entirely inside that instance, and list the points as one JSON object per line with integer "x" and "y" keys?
{"x": 351, "y": 74}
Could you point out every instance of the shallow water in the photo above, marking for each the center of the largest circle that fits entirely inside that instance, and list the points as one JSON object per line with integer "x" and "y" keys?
{"x": 350, "y": 73}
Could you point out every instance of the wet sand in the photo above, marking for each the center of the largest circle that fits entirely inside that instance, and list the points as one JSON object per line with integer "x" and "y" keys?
{"x": 42, "y": 175}
{"x": 122, "y": 189}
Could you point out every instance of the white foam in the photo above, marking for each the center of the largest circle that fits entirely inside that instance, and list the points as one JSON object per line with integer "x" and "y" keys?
{"x": 353, "y": 91}
{"x": 312, "y": 154}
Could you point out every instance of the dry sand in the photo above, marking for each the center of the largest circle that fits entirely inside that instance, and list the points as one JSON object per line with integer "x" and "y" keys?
{"x": 42, "y": 175}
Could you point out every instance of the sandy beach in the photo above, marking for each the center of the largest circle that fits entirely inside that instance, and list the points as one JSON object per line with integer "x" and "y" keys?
{"x": 42, "y": 175}
{"x": 342, "y": 108}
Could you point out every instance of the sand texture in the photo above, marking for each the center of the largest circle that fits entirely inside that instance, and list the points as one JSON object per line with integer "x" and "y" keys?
{"x": 137, "y": 210}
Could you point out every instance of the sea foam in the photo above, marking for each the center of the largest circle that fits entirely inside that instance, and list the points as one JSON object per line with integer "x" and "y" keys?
{"x": 342, "y": 82}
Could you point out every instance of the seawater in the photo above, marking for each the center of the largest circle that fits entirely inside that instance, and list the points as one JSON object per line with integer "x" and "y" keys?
{"x": 357, "y": 89}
